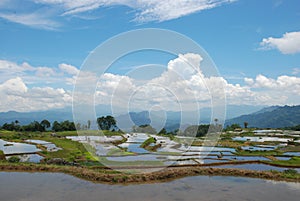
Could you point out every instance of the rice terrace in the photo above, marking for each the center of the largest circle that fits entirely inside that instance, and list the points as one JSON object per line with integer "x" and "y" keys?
{"x": 149, "y": 100}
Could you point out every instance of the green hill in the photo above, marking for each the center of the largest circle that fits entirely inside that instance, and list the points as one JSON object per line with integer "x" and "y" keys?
{"x": 271, "y": 117}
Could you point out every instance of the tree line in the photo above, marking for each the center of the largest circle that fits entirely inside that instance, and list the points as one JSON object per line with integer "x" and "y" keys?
{"x": 106, "y": 123}
{"x": 42, "y": 126}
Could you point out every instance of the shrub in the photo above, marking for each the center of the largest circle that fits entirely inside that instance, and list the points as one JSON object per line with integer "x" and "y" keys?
{"x": 2, "y": 156}
{"x": 290, "y": 171}
{"x": 14, "y": 159}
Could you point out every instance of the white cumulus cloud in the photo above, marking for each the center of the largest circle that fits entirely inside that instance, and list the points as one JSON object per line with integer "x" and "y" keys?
{"x": 72, "y": 70}
{"x": 15, "y": 95}
{"x": 182, "y": 86}
{"x": 289, "y": 43}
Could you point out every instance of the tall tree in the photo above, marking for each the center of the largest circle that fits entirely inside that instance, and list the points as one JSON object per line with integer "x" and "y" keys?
{"x": 56, "y": 126}
{"x": 106, "y": 123}
{"x": 45, "y": 124}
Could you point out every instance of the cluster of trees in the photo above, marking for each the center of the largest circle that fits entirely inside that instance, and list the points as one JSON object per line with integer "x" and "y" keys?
{"x": 63, "y": 126}
{"x": 107, "y": 123}
{"x": 196, "y": 130}
{"x": 104, "y": 123}
{"x": 232, "y": 127}
{"x": 39, "y": 126}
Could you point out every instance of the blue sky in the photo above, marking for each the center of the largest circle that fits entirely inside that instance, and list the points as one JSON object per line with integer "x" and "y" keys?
{"x": 255, "y": 44}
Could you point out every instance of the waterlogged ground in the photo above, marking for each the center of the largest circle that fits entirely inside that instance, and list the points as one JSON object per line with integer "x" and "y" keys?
{"x": 267, "y": 146}
{"x": 179, "y": 151}
{"x": 61, "y": 187}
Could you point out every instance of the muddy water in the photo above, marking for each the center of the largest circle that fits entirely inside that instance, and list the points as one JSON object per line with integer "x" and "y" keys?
{"x": 56, "y": 187}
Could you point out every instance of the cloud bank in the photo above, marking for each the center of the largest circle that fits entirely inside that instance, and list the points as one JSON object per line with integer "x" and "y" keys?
{"x": 29, "y": 88}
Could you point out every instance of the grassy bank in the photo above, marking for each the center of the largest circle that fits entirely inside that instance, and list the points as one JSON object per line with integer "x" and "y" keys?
{"x": 293, "y": 162}
{"x": 113, "y": 177}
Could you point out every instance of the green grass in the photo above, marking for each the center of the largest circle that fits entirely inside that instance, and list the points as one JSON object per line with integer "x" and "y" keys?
{"x": 257, "y": 153}
{"x": 118, "y": 152}
{"x": 2, "y": 156}
{"x": 72, "y": 150}
{"x": 148, "y": 142}
{"x": 294, "y": 161}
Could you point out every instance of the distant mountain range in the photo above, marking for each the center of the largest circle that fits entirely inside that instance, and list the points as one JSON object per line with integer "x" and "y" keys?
{"x": 270, "y": 117}
{"x": 170, "y": 119}
{"x": 27, "y": 117}
{"x": 256, "y": 116}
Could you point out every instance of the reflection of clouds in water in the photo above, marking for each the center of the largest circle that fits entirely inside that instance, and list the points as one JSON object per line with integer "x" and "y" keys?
{"x": 291, "y": 185}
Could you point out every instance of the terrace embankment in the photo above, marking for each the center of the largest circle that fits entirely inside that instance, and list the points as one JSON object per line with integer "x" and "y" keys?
{"x": 104, "y": 175}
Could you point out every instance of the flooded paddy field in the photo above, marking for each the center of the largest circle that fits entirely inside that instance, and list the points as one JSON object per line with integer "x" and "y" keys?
{"x": 58, "y": 187}
{"x": 171, "y": 151}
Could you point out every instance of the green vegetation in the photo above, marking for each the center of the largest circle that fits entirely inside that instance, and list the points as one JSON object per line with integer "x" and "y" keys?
{"x": 295, "y": 128}
{"x": 2, "y": 156}
{"x": 39, "y": 126}
{"x": 81, "y": 159}
{"x": 119, "y": 152}
{"x": 196, "y": 130}
{"x": 294, "y": 161}
{"x": 63, "y": 126}
{"x": 100, "y": 174}
{"x": 290, "y": 171}
{"x": 232, "y": 127}
{"x": 164, "y": 133}
{"x": 107, "y": 123}
{"x": 148, "y": 142}
{"x": 71, "y": 150}
{"x": 272, "y": 117}
{"x": 14, "y": 159}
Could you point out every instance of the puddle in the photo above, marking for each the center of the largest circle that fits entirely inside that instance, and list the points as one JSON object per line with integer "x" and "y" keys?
{"x": 246, "y": 158}
{"x": 185, "y": 162}
{"x": 48, "y": 145}
{"x": 88, "y": 139}
{"x": 137, "y": 137}
{"x": 31, "y": 158}
{"x": 209, "y": 149}
{"x": 259, "y": 167}
{"x": 256, "y": 148}
{"x": 267, "y": 131}
{"x": 282, "y": 158}
{"x": 292, "y": 153}
{"x": 133, "y": 147}
{"x": 17, "y": 148}
{"x": 262, "y": 139}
